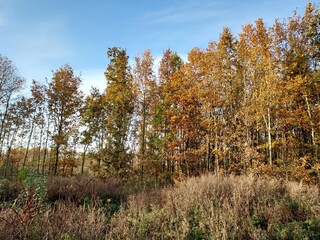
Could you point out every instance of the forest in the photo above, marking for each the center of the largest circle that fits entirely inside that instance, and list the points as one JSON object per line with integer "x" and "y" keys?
{"x": 247, "y": 105}
{"x": 246, "y": 102}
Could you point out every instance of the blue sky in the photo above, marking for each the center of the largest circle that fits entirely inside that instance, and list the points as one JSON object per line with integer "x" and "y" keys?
{"x": 40, "y": 35}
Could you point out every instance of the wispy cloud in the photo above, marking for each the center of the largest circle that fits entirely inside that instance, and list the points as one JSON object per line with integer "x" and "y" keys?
{"x": 184, "y": 26}
{"x": 189, "y": 12}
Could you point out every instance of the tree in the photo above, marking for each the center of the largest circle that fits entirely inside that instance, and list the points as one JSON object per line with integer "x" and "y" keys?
{"x": 64, "y": 102}
{"x": 34, "y": 116}
{"x": 185, "y": 114}
{"x": 14, "y": 126}
{"x": 93, "y": 118}
{"x": 297, "y": 55}
{"x": 265, "y": 87}
{"x": 38, "y": 92}
{"x": 169, "y": 65}
{"x": 147, "y": 99}
{"x": 120, "y": 103}
{"x": 222, "y": 97}
{"x": 10, "y": 83}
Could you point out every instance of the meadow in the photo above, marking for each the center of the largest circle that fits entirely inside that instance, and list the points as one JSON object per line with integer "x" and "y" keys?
{"x": 206, "y": 207}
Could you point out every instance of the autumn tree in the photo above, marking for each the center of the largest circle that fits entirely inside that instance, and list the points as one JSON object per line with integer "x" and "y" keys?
{"x": 185, "y": 115}
{"x": 297, "y": 55}
{"x": 222, "y": 98}
{"x": 264, "y": 92}
{"x": 311, "y": 25}
{"x": 170, "y": 63}
{"x": 34, "y": 109}
{"x": 147, "y": 100}
{"x": 39, "y": 104}
{"x": 120, "y": 104}
{"x": 64, "y": 102}
{"x": 10, "y": 84}
{"x": 14, "y": 126}
{"x": 93, "y": 118}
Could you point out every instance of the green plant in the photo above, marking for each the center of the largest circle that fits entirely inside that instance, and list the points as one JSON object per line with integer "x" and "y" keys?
{"x": 309, "y": 229}
{"x": 195, "y": 231}
{"x": 32, "y": 184}
{"x": 69, "y": 237}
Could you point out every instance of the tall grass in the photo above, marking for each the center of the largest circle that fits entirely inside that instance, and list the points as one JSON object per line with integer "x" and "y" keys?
{"x": 207, "y": 207}
{"x": 62, "y": 220}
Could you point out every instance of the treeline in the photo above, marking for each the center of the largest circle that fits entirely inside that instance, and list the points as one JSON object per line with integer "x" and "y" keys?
{"x": 246, "y": 103}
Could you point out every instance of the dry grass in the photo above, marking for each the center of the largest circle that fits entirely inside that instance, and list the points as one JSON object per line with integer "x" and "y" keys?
{"x": 62, "y": 220}
{"x": 9, "y": 190}
{"x": 209, "y": 207}
{"x": 79, "y": 188}
{"x": 58, "y": 208}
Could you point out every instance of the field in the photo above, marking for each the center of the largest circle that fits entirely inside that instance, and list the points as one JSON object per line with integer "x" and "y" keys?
{"x": 206, "y": 207}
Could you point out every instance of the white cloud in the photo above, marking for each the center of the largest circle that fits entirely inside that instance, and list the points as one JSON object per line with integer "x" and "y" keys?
{"x": 156, "y": 63}
{"x": 93, "y": 78}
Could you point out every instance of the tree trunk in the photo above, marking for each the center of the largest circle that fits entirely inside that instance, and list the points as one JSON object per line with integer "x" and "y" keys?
{"x": 28, "y": 144}
{"x": 83, "y": 158}
{"x": 57, "y": 151}
{"x": 268, "y": 127}
{"x": 314, "y": 146}
{"x": 3, "y": 121}
{"x": 208, "y": 152}
{"x": 8, "y": 165}
{"x": 216, "y": 146}
{"x": 58, "y": 144}
{"x": 40, "y": 145}
{"x": 45, "y": 147}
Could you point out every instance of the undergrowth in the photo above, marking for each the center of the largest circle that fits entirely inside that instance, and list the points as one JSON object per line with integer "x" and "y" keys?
{"x": 207, "y": 207}
{"x": 230, "y": 207}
